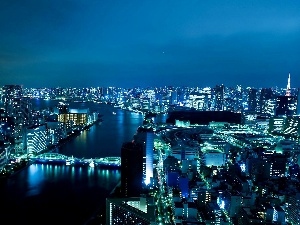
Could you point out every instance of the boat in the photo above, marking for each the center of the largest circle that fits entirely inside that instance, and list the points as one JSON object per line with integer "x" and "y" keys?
{"x": 114, "y": 113}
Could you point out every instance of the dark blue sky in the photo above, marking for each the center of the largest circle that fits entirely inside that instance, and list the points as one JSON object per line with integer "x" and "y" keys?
{"x": 80, "y": 43}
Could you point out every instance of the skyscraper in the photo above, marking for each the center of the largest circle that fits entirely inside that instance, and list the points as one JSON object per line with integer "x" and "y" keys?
{"x": 219, "y": 97}
{"x": 266, "y": 94}
{"x": 131, "y": 169}
{"x": 252, "y": 100}
{"x": 145, "y": 137}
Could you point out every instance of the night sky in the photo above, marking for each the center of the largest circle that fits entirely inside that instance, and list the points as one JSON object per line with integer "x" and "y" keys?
{"x": 84, "y": 43}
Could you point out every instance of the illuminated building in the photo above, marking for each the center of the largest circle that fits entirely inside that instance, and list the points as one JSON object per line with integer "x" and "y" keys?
{"x": 248, "y": 216}
{"x": 5, "y": 150}
{"x": 19, "y": 108}
{"x": 252, "y": 103}
{"x": 199, "y": 100}
{"x": 183, "y": 183}
{"x": 286, "y": 105}
{"x": 274, "y": 165}
{"x": 231, "y": 201}
{"x": 36, "y": 139}
{"x": 186, "y": 210}
{"x": 173, "y": 98}
{"x": 146, "y": 104}
{"x": 131, "y": 169}
{"x": 73, "y": 119}
{"x": 266, "y": 94}
{"x": 298, "y": 102}
{"x": 213, "y": 214}
{"x": 145, "y": 137}
{"x": 292, "y": 208}
{"x": 292, "y": 125}
{"x": 171, "y": 164}
{"x": 276, "y": 124}
{"x": 183, "y": 153}
{"x": 56, "y": 131}
{"x": 11, "y": 95}
{"x": 219, "y": 97}
{"x": 172, "y": 178}
{"x": 213, "y": 157}
{"x": 204, "y": 197}
{"x": 132, "y": 211}
{"x": 182, "y": 123}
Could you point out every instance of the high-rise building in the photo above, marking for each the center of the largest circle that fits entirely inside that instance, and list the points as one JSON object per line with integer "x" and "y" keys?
{"x": 286, "y": 106}
{"x": 36, "y": 139}
{"x": 266, "y": 94}
{"x": 11, "y": 95}
{"x": 145, "y": 137}
{"x": 219, "y": 97}
{"x": 131, "y": 169}
{"x": 252, "y": 103}
{"x": 298, "y": 101}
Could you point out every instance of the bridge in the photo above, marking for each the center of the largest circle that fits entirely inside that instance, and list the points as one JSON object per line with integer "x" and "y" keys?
{"x": 56, "y": 158}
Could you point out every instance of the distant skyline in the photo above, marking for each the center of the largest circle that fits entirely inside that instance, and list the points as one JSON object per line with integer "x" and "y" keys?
{"x": 77, "y": 43}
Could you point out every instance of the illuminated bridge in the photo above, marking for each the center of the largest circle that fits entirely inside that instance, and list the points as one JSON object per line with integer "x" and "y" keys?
{"x": 56, "y": 158}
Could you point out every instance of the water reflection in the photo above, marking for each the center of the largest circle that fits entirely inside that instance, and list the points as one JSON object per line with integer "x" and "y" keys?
{"x": 35, "y": 179}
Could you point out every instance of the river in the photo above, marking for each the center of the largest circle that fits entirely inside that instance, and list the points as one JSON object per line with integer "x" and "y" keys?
{"x": 52, "y": 194}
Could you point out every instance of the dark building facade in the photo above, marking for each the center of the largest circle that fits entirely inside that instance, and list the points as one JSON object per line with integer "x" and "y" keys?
{"x": 204, "y": 117}
{"x": 286, "y": 106}
{"x": 131, "y": 169}
{"x": 219, "y": 97}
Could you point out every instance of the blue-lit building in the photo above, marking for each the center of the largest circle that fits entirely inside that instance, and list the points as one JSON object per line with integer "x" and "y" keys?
{"x": 172, "y": 178}
{"x": 184, "y": 186}
{"x": 36, "y": 137}
{"x": 145, "y": 137}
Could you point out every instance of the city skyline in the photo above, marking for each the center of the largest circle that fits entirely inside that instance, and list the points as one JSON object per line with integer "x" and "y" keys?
{"x": 195, "y": 43}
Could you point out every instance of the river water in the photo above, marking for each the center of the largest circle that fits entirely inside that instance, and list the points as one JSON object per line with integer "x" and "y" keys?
{"x": 52, "y": 194}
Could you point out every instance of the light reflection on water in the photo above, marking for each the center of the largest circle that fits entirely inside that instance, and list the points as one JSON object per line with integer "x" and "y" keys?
{"x": 76, "y": 192}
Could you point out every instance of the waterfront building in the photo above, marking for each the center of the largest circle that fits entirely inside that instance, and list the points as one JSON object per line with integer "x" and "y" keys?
{"x": 36, "y": 139}
{"x": 131, "y": 169}
{"x": 5, "y": 150}
{"x": 56, "y": 132}
{"x": 139, "y": 210}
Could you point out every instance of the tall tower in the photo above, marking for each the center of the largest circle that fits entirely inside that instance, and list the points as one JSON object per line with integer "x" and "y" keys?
{"x": 288, "y": 87}
{"x": 219, "y": 97}
{"x": 145, "y": 137}
{"x": 131, "y": 169}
